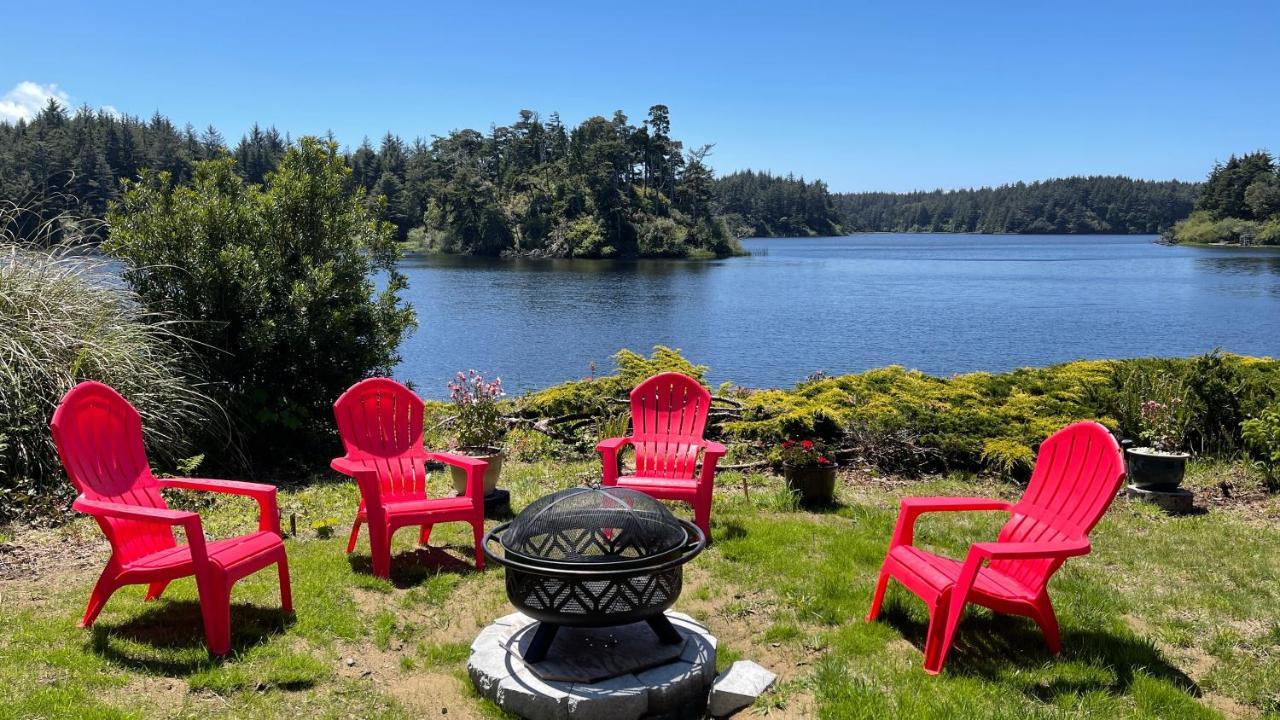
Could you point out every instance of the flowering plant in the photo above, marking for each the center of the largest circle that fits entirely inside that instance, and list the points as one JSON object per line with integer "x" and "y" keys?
{"x": 1163, "y": 425}
{"x": 805, "y": 454}
{"x": 478, "y": 422}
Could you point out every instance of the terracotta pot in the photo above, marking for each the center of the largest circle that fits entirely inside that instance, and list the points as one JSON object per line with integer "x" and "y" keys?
{"x": 814, "y": 485}
{"x": 491, "y": 455}
{"x": 1151, "y": 470}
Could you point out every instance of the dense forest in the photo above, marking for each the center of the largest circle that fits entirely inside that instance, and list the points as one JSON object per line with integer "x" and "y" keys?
{"x": 760, "y": 204}
{"x": 605, "y": 188}
{"x": 1068, "y": 205}
{"x": 1239, "y": 204}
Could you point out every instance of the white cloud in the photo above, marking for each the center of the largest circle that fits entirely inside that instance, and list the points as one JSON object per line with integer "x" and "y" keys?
{"x": 27, "y": 99}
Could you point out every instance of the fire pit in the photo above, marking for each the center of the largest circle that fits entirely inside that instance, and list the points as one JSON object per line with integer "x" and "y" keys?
{"x": 594, "y": 557}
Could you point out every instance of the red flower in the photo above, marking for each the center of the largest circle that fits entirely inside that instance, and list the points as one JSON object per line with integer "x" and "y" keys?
{"x": 788, "y": 443}
{"x": 823, "y": 460}
{"x": 807, "y": 444}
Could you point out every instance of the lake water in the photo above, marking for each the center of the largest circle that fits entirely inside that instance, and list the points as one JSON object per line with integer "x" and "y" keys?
{"x": 940, "y": 303}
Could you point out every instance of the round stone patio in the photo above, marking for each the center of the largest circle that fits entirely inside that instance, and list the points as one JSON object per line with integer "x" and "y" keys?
{"x": 617, "y": 673}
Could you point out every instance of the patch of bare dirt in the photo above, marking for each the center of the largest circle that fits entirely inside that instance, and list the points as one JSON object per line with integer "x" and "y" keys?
{"x": 738, "y": 618}
{"x": 43, "y": 554}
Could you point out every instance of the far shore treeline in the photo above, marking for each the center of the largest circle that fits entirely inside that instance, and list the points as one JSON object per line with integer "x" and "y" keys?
{"x": 605, "y": 188}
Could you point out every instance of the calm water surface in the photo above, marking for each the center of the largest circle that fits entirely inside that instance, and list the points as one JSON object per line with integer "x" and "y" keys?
{"x": 940, "y": 303}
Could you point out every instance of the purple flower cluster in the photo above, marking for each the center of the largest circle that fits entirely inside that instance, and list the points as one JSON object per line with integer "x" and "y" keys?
{"x": 470, "y": 388}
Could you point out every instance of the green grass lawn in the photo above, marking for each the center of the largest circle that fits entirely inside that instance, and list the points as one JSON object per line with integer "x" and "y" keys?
{"x": 1169, "y": 617}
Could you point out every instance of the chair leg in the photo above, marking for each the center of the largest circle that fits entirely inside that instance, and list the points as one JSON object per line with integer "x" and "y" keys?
{"x": 424, "y": 536}
{"x": 702, "y": 517}
{"x": 477, "y": 532}
{"x": 156, "y": 589}
{"x": 355, "y": 534}
{"x": 102, "y": 590}
{"x": 1048, "y": 623}
{"x": 934, "y": 652}
{"x": 286, "y": 590}
{"x": 215, "y": 607}
{"x": 878, "y": 598}
{"x": 380, "y": 550}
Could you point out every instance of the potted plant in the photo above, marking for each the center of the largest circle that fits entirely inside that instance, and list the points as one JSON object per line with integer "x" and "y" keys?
{"x": 1160, "y": 463}
{"x": 809, "y": 471}
{"x": 479, "y": 427}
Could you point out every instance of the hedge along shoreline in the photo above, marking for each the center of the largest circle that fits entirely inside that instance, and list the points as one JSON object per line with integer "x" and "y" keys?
{"x": 908, "y": 421}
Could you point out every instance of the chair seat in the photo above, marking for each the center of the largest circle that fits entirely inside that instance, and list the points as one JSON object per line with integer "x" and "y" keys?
{"x": 675, "y": 485}
{"x": 940, "y": 572}
{"x": 225, "y": 554}
{"x": 419, "y": 505}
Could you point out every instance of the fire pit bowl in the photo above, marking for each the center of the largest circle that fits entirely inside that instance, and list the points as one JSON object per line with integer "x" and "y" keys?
{"x": 594, "y": 557}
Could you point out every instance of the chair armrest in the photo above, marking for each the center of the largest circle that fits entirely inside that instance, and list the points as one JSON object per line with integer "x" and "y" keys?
{"x": 475, "y": 468}
{"x": 913, "y": 507}
{"x": 347, "y": 466}
{"x": 608, "y": 450}
{"x": 120, "y": 511}
{"x": 1030, "y": 550}
{"x": 189, "y": 521}
{"x": 268, "y": 512}
{"x": 613, "y": 445}
{"x": 458, "y": 461}
{"x": 713, "y": 450}
{"x": 711, "y": 453}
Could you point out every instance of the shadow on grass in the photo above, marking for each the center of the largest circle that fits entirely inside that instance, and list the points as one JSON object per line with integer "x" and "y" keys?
{"x": 992, "y": 646}
{"x": 168, "y": 638}
{"x": 414, "y": 567}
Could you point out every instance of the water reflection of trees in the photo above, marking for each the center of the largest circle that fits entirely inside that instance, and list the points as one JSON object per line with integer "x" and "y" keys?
{"x": 1251, "y": 264}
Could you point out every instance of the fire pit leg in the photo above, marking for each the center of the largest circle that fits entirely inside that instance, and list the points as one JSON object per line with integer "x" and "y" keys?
{"x": 663, "y": 628}
{"x": 540, "y": 643}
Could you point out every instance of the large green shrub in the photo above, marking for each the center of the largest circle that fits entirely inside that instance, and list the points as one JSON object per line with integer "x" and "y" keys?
{"x": 65, "y": 319}
{"x": 1262, "y": 436}
{"x": 595, "y": 395}
{"x": 279, "y": 280}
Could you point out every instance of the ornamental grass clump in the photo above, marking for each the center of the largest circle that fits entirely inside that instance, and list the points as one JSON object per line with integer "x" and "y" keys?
{"x": 66, "y": 319}
{"x": 478, "y": 422}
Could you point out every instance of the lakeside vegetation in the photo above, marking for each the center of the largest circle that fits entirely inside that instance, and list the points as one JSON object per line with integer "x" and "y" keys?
{"x": 1088, "y": 205}
{"x": 1239, "y": 204}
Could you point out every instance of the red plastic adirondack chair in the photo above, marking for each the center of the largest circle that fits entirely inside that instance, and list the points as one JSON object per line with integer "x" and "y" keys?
{"x": 1078, "y": 472}
{"x": 668, "y": 416}
{"x": 99, "y": 438}
{"x": 380, "y": 422}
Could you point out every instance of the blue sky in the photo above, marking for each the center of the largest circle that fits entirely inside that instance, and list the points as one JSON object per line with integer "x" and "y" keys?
{"x": 868, "y": 96}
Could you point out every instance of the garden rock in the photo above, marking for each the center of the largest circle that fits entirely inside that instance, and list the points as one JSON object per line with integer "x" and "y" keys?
{"x": 738, "y": 687}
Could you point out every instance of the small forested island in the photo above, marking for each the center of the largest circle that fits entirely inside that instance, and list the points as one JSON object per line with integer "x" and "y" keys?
{"x": 1239, "y": 204}
{"x": 1074, "y": 205}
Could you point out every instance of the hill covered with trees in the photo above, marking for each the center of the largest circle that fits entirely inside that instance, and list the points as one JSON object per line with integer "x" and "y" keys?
{"x": 761, "y": 204}
{"x": 1099, "y": 204}
{"x": 1239, "y": 204}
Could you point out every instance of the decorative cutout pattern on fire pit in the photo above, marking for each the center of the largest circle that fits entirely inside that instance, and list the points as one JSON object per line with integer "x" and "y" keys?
{"x": 573, "y": 596}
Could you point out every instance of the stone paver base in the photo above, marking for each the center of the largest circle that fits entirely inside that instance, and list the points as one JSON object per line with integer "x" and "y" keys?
{"x": 674, "y": 689}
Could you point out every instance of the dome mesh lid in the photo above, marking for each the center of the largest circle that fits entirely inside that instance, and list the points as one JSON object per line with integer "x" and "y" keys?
{"x": 594, "y": 524}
